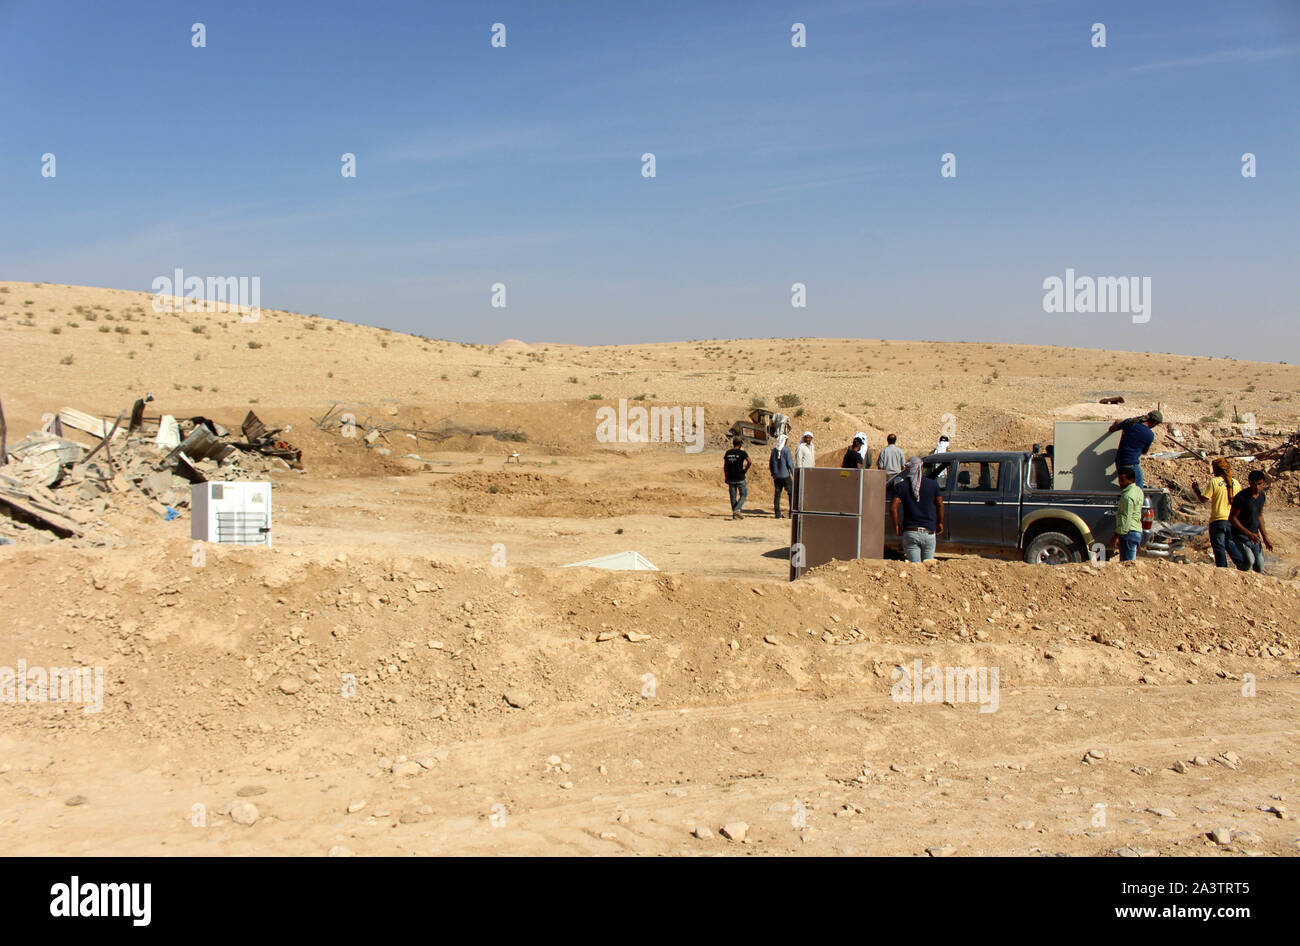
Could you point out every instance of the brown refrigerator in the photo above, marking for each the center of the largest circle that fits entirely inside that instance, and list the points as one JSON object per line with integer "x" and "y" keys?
{"x": 838, "y": 514}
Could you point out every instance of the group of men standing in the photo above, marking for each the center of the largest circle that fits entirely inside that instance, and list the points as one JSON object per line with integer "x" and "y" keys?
{"x": 1237, "y": 532}
{"x": 1238, "y": 535}
{"x": 782, "y": 463}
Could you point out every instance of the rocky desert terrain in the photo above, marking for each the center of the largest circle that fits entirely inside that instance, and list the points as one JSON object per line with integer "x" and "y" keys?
{"x": 411, "y": 670}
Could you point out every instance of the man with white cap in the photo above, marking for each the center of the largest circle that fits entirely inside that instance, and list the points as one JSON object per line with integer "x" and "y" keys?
{"x": 863, "y": 449}
{"x": 781, "y": 465}
{"x": 805, "y": 455}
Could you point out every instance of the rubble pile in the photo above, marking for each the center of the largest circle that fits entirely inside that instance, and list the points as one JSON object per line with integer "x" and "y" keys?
{"x": 55, "y": 486}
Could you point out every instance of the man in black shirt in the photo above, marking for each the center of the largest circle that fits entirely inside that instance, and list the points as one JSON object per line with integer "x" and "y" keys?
{"x": 1246, "y": 517}
{"x": 853, "y": 456}
{"x": 735, "y": 464}
{"x": 922, "y": 507}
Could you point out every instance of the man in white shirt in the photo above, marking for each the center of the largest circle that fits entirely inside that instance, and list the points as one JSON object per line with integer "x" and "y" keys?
{"x": 804, "y": 454}
{"x": 942, "y": 445}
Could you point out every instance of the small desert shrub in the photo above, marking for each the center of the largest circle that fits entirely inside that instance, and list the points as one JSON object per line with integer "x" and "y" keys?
{"x": 254, "y": 344}
{"x": 790, "y": 400}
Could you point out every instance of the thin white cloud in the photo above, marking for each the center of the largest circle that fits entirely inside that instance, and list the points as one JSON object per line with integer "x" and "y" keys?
{"x": 1220, "y": 58}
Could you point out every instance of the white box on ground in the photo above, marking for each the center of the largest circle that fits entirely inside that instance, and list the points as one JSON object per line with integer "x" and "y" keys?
{"x": 238, "y": 513}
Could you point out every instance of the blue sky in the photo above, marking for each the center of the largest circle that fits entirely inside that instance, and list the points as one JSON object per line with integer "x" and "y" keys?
{"x": 775, "y": 165}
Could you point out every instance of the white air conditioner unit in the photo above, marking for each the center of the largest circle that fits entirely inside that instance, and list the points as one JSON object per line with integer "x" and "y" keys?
{"x": 238, "y": 513}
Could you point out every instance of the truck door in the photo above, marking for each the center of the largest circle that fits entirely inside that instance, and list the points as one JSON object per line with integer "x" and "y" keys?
{"x": 978, "y": 501}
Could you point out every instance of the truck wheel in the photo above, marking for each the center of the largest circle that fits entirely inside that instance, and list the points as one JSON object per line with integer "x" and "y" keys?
{"x": 1053, "y": 548}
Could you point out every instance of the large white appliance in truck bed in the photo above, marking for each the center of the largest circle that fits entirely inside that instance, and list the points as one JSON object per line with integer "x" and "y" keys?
{"x": 238, "y": 513}
{"x": 1083, "y": 455}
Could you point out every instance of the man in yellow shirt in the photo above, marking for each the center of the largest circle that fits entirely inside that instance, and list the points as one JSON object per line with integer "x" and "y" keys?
{"x": 1128, "y": 514}
{"x": 1223, "y": 488}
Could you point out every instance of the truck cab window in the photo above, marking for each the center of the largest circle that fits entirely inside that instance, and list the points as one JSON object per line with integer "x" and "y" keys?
{"x": 982, "y": 476}
{"x": 937, "y": 472}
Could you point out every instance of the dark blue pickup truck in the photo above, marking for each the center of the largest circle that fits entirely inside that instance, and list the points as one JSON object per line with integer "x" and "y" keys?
{"x": 1001, "y": 503}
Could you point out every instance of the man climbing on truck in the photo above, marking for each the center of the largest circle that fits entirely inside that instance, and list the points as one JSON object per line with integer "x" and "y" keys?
{"x": 1136, "y": 440}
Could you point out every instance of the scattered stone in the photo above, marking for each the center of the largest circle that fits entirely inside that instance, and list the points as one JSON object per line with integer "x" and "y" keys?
{"x": 1162, "y": 812}
{"x": 1221, "y": 836}
{"x": 519, "y": 699}
{"x": 606, "y": 636}
{"x": 290, "y": 685}
{"x": 77, "y": 800}
{"x": 1180, "y": 767}
{"x": 438, "y": 711}
{"x": 735, "y": 830}
{"x": 944, "y": 851}
{"x": 248, "y": 791}
{"x": 1200, "y": 760}
{"x": 407, "y": 768}
{"x": 1229, "y": 758}
{"x": 339, "y": 850}
{"x": 769, "y": 638}
{"x": 244, "y": 812}
{"x": 703, "y": 832}
{"x": 1024, "y": 825}
{"x": 356, "y": 806}
{"x": 636, "y": 637}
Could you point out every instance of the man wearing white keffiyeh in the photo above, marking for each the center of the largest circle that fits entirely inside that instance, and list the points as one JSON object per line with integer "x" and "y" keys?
{"x": 922, "y": 522}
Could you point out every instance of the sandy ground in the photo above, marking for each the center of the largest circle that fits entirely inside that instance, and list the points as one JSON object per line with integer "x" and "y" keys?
{"x": 371, "y": 660}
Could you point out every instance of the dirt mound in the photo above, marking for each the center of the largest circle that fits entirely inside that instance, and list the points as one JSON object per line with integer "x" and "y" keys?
{"x": 260, "y": 645}
{"x": 508, "y": 483}
{"x": 509, "y": 492}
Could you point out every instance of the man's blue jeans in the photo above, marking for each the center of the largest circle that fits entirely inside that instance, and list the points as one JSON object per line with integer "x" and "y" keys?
{"x": 738, "y": 491}
{"x": 1221, "y": 542}
{"x": 1251, "y": 554}
{"x": 918, "y": 546}
{"x": 1128, "y": 545}
{"x": 783, "y": 484}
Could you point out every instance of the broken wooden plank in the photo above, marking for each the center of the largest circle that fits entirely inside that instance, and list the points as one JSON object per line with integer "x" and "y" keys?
{"x": 86, "y": 423}
{"x": 107, "y": 437}
{"x": 54, "y": 520}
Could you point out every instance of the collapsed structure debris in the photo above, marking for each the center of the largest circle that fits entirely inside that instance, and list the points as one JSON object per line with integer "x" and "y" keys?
{"x": 348, "y": 421}
{"x": 53, "y": 485}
